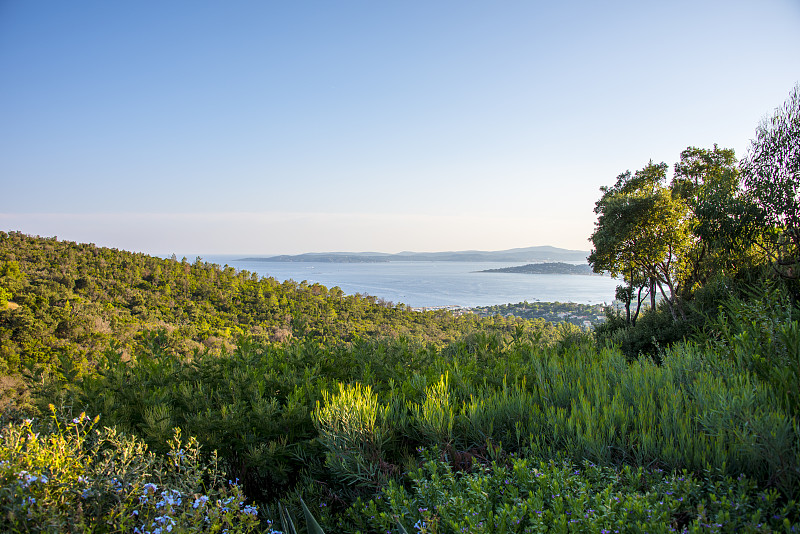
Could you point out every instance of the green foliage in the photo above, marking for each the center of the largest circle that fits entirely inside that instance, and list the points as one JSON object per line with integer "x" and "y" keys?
{"x": 642, "y": 234}
{"x": 524, "y": 496}
{"x": 311, "y": 523}
{"x": 76, "y": 299}
{"x": 252, "y": 406}
{"x": 315, "y": 419}
{"x": 653, "y": 332}
{"x": 354, "y": 430}
{"x": 771, "y": 175}
{"x": 670, "y": 249}
{"x": 71, "y": 476}
{"x": 761, "y": 334}
{"x": 5, "y": 296}
{"x": 287, "y": 523}
{"x": 434, "y": 416}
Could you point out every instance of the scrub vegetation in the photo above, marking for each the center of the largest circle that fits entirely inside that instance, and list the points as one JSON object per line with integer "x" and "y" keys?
{"x": 157, "y": 395}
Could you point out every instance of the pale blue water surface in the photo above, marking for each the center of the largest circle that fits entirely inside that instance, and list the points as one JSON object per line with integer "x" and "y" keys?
{"x": 437, "y": 283}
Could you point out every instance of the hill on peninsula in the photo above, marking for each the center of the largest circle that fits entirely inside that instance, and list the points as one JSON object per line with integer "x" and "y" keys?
{"x": 528, "y": 254}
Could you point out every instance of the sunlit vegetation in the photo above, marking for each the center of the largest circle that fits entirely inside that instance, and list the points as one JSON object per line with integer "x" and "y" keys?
{"x": 76, "y": 476}
{"x": 63, "y": 300}
{"x": 218, "y": 401}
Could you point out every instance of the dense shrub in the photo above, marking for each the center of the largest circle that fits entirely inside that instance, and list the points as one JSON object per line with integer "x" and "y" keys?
{"x": 653, "y": 332}
{"x": 71, "y": 476}
{"x": 524, "y": 496}
{"x": 761, "y": 335}
{"x": 284, "y": 416}
{"x": 73, "y": 300}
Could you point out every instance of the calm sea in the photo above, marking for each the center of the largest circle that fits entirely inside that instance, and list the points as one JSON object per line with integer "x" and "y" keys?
{"x": 437, "y": 283}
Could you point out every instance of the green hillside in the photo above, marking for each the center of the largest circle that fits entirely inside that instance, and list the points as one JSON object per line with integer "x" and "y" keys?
{"x": 72, "y": 300}
{"x": 377, "y": 416}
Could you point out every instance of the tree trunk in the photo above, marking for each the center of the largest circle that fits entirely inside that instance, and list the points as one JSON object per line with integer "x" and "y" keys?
{"x": 639, "y": 301}
{"x": 653, "y": 294}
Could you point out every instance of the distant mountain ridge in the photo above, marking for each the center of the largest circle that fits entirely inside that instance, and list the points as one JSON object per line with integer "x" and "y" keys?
{"x": 529, "y": 254}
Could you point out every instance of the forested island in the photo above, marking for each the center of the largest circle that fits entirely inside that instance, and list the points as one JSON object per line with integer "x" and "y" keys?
{"x": 154, "y": 395}
{"x": 544, "y": 268}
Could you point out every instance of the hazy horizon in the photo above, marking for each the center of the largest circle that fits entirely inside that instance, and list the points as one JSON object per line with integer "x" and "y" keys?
{"x": 203, "y": 254}
{"x": 283, "y": 128}
{"x": 416, "y": 251}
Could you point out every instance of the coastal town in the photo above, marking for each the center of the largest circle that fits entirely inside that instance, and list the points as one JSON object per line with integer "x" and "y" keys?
{"x": 583, "y": 315}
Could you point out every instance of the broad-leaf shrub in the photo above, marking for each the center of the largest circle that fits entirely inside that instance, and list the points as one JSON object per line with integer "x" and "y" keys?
{"x": 654, "y": 331}
{"x": 526, "y": 496}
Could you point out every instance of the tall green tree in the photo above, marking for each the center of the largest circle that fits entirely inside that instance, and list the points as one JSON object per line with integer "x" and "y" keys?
{"x": 641, "y": 234}
{"x": 771, "y": 177}
{"x": 614, "y": 245}
{"x": 707, "y": 181}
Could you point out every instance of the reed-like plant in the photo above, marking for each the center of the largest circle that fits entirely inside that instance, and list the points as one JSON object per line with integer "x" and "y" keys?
{"x": 354, "y": 430}
{"x": 433, "y": 418}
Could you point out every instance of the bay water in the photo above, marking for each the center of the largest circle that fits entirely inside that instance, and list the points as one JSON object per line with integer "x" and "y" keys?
{"x": 436, "y": 283}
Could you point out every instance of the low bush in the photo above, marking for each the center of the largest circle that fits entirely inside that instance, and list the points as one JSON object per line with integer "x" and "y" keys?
{"x": 518, "y": 495}
{"x": 73, "y": 476}
{"x": 653, "y": 332}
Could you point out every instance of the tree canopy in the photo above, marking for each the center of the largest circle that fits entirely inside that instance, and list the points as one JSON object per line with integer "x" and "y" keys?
{"x": 771, "y": 177}
{"x": 716, "y": 219}
{"x": 641, "y": 234}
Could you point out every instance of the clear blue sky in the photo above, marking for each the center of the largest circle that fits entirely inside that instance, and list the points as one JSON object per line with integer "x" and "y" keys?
{"x": 284, "y": 127}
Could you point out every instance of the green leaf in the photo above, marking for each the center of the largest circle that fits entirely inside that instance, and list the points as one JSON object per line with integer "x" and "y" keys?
{"x": 286, "y": 519}
{"x": 311, "y": 523}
